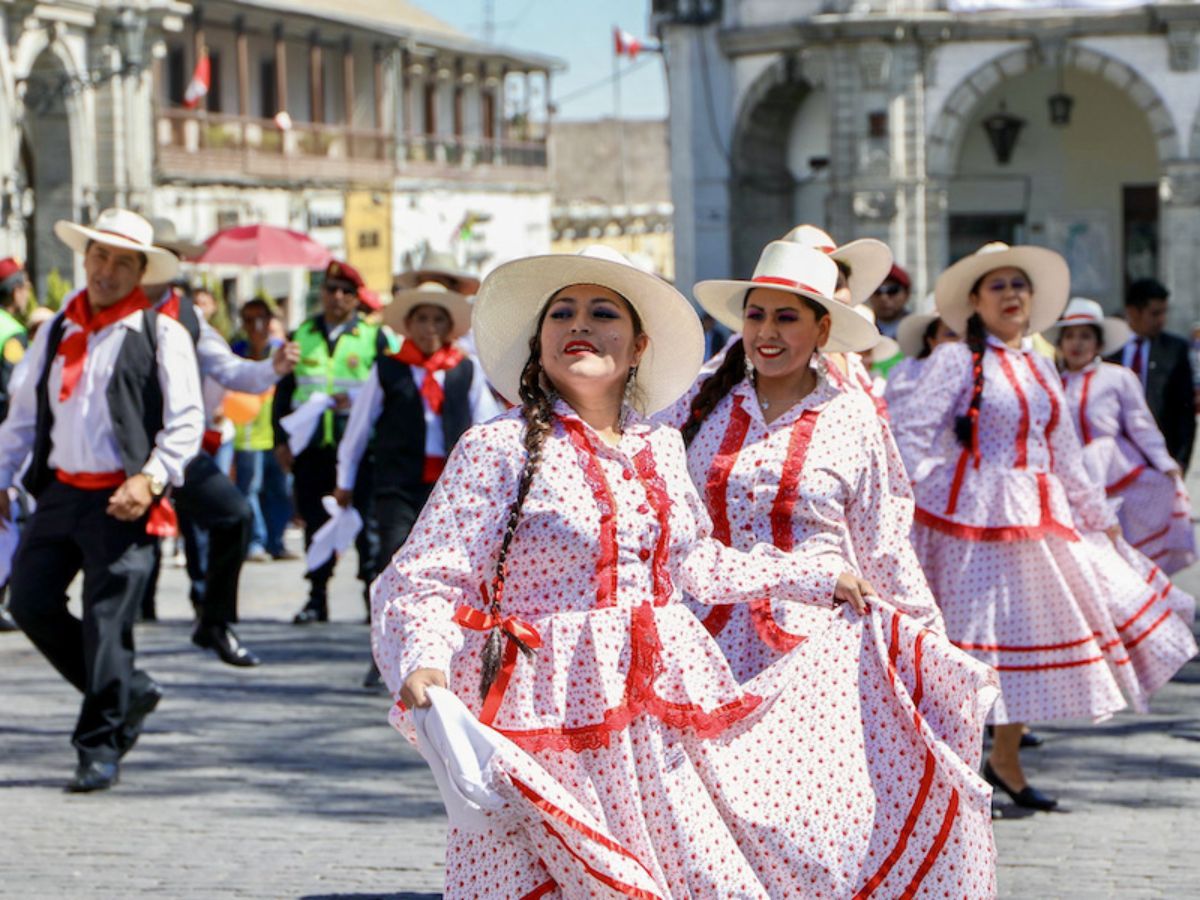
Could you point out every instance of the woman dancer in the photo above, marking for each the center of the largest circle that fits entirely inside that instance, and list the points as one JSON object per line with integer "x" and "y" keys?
{"x": 1000, "y": 485}
{"x": 782, "y": 455}
{"x": 1122, "y": 446}
{"x": 569, "y": 528}
{"x": 918, "y": 335}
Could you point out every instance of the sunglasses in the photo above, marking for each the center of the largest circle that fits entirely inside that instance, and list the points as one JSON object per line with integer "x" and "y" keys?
{"x": 888, "y": 290}
{"x": 345, "y": 287}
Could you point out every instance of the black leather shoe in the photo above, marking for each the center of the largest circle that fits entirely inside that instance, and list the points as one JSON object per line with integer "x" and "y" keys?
{"x": 373, "y": 680}
{"x": 311, "y": 614}
{"x": 93, "y": 776}
{"x": 1032, "y": 739}
{"x": 7, "y": 622}
{"x": 1028, "y": 797}
{"x": 141, "y": 705}
{"x": 222, "y": 640}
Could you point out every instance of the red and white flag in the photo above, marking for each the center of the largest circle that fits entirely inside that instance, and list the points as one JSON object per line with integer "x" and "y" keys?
{"x": 625, "y": 44}
{"x": 197, "y": 89}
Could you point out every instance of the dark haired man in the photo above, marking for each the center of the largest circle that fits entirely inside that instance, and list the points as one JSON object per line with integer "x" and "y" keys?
{"x": 1163, "y": 363}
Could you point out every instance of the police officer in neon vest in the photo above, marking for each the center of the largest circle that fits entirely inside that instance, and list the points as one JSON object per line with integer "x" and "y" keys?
{"x": 337, "y": 350}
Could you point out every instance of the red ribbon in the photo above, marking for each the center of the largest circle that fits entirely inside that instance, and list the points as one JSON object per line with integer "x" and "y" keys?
{"x": 478, "y": 620}
{"x": 447, "y": 357}
{"x": 73, "y": 347}
{"x": 785, "y": 282}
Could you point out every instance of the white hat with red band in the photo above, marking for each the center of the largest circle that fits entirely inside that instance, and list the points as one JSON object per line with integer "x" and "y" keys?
{"x": 869, "y": 261}
{"x": 1081, "y": 311}
{"x": 125, "y": 230}
{"x": 796, "y": 269}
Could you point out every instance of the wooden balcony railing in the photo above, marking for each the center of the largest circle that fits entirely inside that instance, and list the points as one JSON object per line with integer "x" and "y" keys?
{"x": 194, "y": 144}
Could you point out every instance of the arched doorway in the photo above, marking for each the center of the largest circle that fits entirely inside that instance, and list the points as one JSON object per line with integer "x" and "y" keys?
{"x": 1089, "y": 188}
{"x": 46, "y": 167}
{"x": 779, "y": 165}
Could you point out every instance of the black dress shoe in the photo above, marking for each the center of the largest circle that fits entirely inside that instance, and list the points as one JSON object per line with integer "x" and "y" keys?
{"x": 7, "y": 622}
{"x": 1032, "y": 739}
{"x": 222, "y": 639}
{"x": 141, "y": 705}
{"x": 93, "y": 776}
{"x": 311, "y": 614}
{"x": 1028, "y": 797}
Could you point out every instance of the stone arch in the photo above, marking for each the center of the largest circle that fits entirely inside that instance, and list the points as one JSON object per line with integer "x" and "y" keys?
{"x": 761, "y": 185}
{"x": 945, "y": 137}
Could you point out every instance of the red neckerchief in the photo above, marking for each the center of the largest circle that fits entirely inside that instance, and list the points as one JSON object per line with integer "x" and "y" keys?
{"x": 447, "y": 357}
{"x": 170, "y": 307}
{"x": 73, "y": 348}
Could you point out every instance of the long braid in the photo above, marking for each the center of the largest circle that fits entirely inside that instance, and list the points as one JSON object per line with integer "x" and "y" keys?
{"x": 714, "y": 389}
{"x": 537, "y": 408}
{"x": 966, "y": 427}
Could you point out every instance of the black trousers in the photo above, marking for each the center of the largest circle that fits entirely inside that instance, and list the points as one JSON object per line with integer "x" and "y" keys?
{"x": 314, "y": 475}
{"x": 69, "y": 531}
{"x": 396, "y": 514}
{"x": 208, "y": 500}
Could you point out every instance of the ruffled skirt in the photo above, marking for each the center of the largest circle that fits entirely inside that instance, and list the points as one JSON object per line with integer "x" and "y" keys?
{"x": 1074, "y": 628}
{"x": 852, "y": 775}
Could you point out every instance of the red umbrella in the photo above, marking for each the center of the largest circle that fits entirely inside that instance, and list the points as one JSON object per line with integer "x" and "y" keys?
{"x": 263, "y": 246}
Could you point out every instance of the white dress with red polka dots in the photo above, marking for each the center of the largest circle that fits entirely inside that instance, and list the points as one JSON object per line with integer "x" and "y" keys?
{"x": 838, "y": 769}
{"x": 903, "y": 382}
{"x": 823, "y": 474}
{"x": 1124, "y": 451}
{"x": 1008, "y": 535}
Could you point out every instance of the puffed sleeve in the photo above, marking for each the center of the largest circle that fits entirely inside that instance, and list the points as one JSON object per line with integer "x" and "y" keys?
{"x": 447, "y": 556}
{"x": 714, "y": 574}
{"x": 926, "y": 426}
{"x": 1086, "y": 497}
{"x": 1138, "y": 422}
{"x": 879, "y": 515}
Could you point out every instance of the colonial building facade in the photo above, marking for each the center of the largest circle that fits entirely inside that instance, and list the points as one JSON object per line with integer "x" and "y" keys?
{"x": 938, "y": 125}
{"x": 373, "y": 127}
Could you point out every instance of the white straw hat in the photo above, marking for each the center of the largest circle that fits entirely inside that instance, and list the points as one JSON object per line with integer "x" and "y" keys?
{"x": 1081, "y": 311}
{"x": 868, "y": 260}
{"x": 439, "y": 266}
{"x": 127, "y": 230}
{"x": 839, "y": 344}
{"x": 510, "y": 302}
{"x": 796, "y": 269}
{"x": 910, "y": 333}
{"x": 429, "y": 293}
{"x": 1046, "y": 269}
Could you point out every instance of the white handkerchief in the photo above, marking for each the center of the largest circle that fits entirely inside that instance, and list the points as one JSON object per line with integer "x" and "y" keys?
{"x": 301, "y": 423}
{"x": 335, "y": 536}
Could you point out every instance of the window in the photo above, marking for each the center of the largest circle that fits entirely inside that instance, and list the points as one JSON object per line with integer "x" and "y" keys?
{"x": 212, "y": 101}
{"x": 266, "y": 88}
{"x": 431, "y": 109}
{"x": 177, "y": 75}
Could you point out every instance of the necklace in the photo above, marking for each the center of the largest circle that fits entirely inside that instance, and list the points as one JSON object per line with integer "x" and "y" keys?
{"x": 765, "y": 404}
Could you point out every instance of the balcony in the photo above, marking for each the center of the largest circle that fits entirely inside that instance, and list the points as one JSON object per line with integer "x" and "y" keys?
{"x": 203, "y": 146}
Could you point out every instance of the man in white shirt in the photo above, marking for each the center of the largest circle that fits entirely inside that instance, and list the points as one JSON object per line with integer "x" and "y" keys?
{"x": 110, "y": 415}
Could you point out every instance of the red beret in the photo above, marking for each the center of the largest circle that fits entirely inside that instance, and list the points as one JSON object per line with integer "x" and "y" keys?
{"x": 10, "y": 266}
{"x": 339, "y": 269}
{"x": 899, "y": 276}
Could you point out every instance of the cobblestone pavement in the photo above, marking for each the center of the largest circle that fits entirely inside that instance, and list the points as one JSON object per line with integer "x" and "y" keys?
{"x": 286, "y": 782}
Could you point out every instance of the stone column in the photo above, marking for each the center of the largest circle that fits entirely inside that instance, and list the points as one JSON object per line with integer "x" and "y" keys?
{"x": 1179, "y": 236}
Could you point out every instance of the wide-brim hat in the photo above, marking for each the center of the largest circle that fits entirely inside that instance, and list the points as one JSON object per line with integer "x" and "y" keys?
{"x": 1082, "y": 311}
{"x": 796, "y": 269}
{"x": 869, "y": 261}
{"x": 510, "y": 301}
{"x": 910, "y": 333}
{"x": 843, "y": 342}
{"x": 1046, "y": 269}
{"x": 441, "y": 267}
{"x": 431, "y": 293}
{"x": 167, "y": 237}
{"x": 125, "y": 230}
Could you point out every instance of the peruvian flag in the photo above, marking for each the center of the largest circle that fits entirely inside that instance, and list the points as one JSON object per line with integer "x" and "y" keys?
{"x": 625, "y": 44}
{"x": 197, "y": 89}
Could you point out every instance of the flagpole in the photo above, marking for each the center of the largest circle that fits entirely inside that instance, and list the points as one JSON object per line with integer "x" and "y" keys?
{"x": 620, "y": 128}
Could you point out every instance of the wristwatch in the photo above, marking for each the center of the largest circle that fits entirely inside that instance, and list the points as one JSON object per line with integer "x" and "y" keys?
{"x": 157, "y": 485}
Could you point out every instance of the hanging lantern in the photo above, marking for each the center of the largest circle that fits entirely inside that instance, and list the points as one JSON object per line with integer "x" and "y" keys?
{"x": 1002, "y": 131}
{"x": 1060, "y": 109}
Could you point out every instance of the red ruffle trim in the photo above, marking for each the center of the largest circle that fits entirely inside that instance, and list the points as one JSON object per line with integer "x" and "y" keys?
{"x": 644, "y": 667}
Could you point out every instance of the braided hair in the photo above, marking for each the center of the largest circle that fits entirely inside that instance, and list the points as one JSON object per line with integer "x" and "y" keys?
{"x": 537, "y": 409}
{"x": 928, "y": 336}
{"x": 731, "y": 371}
{"x": 966, "y": 426}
